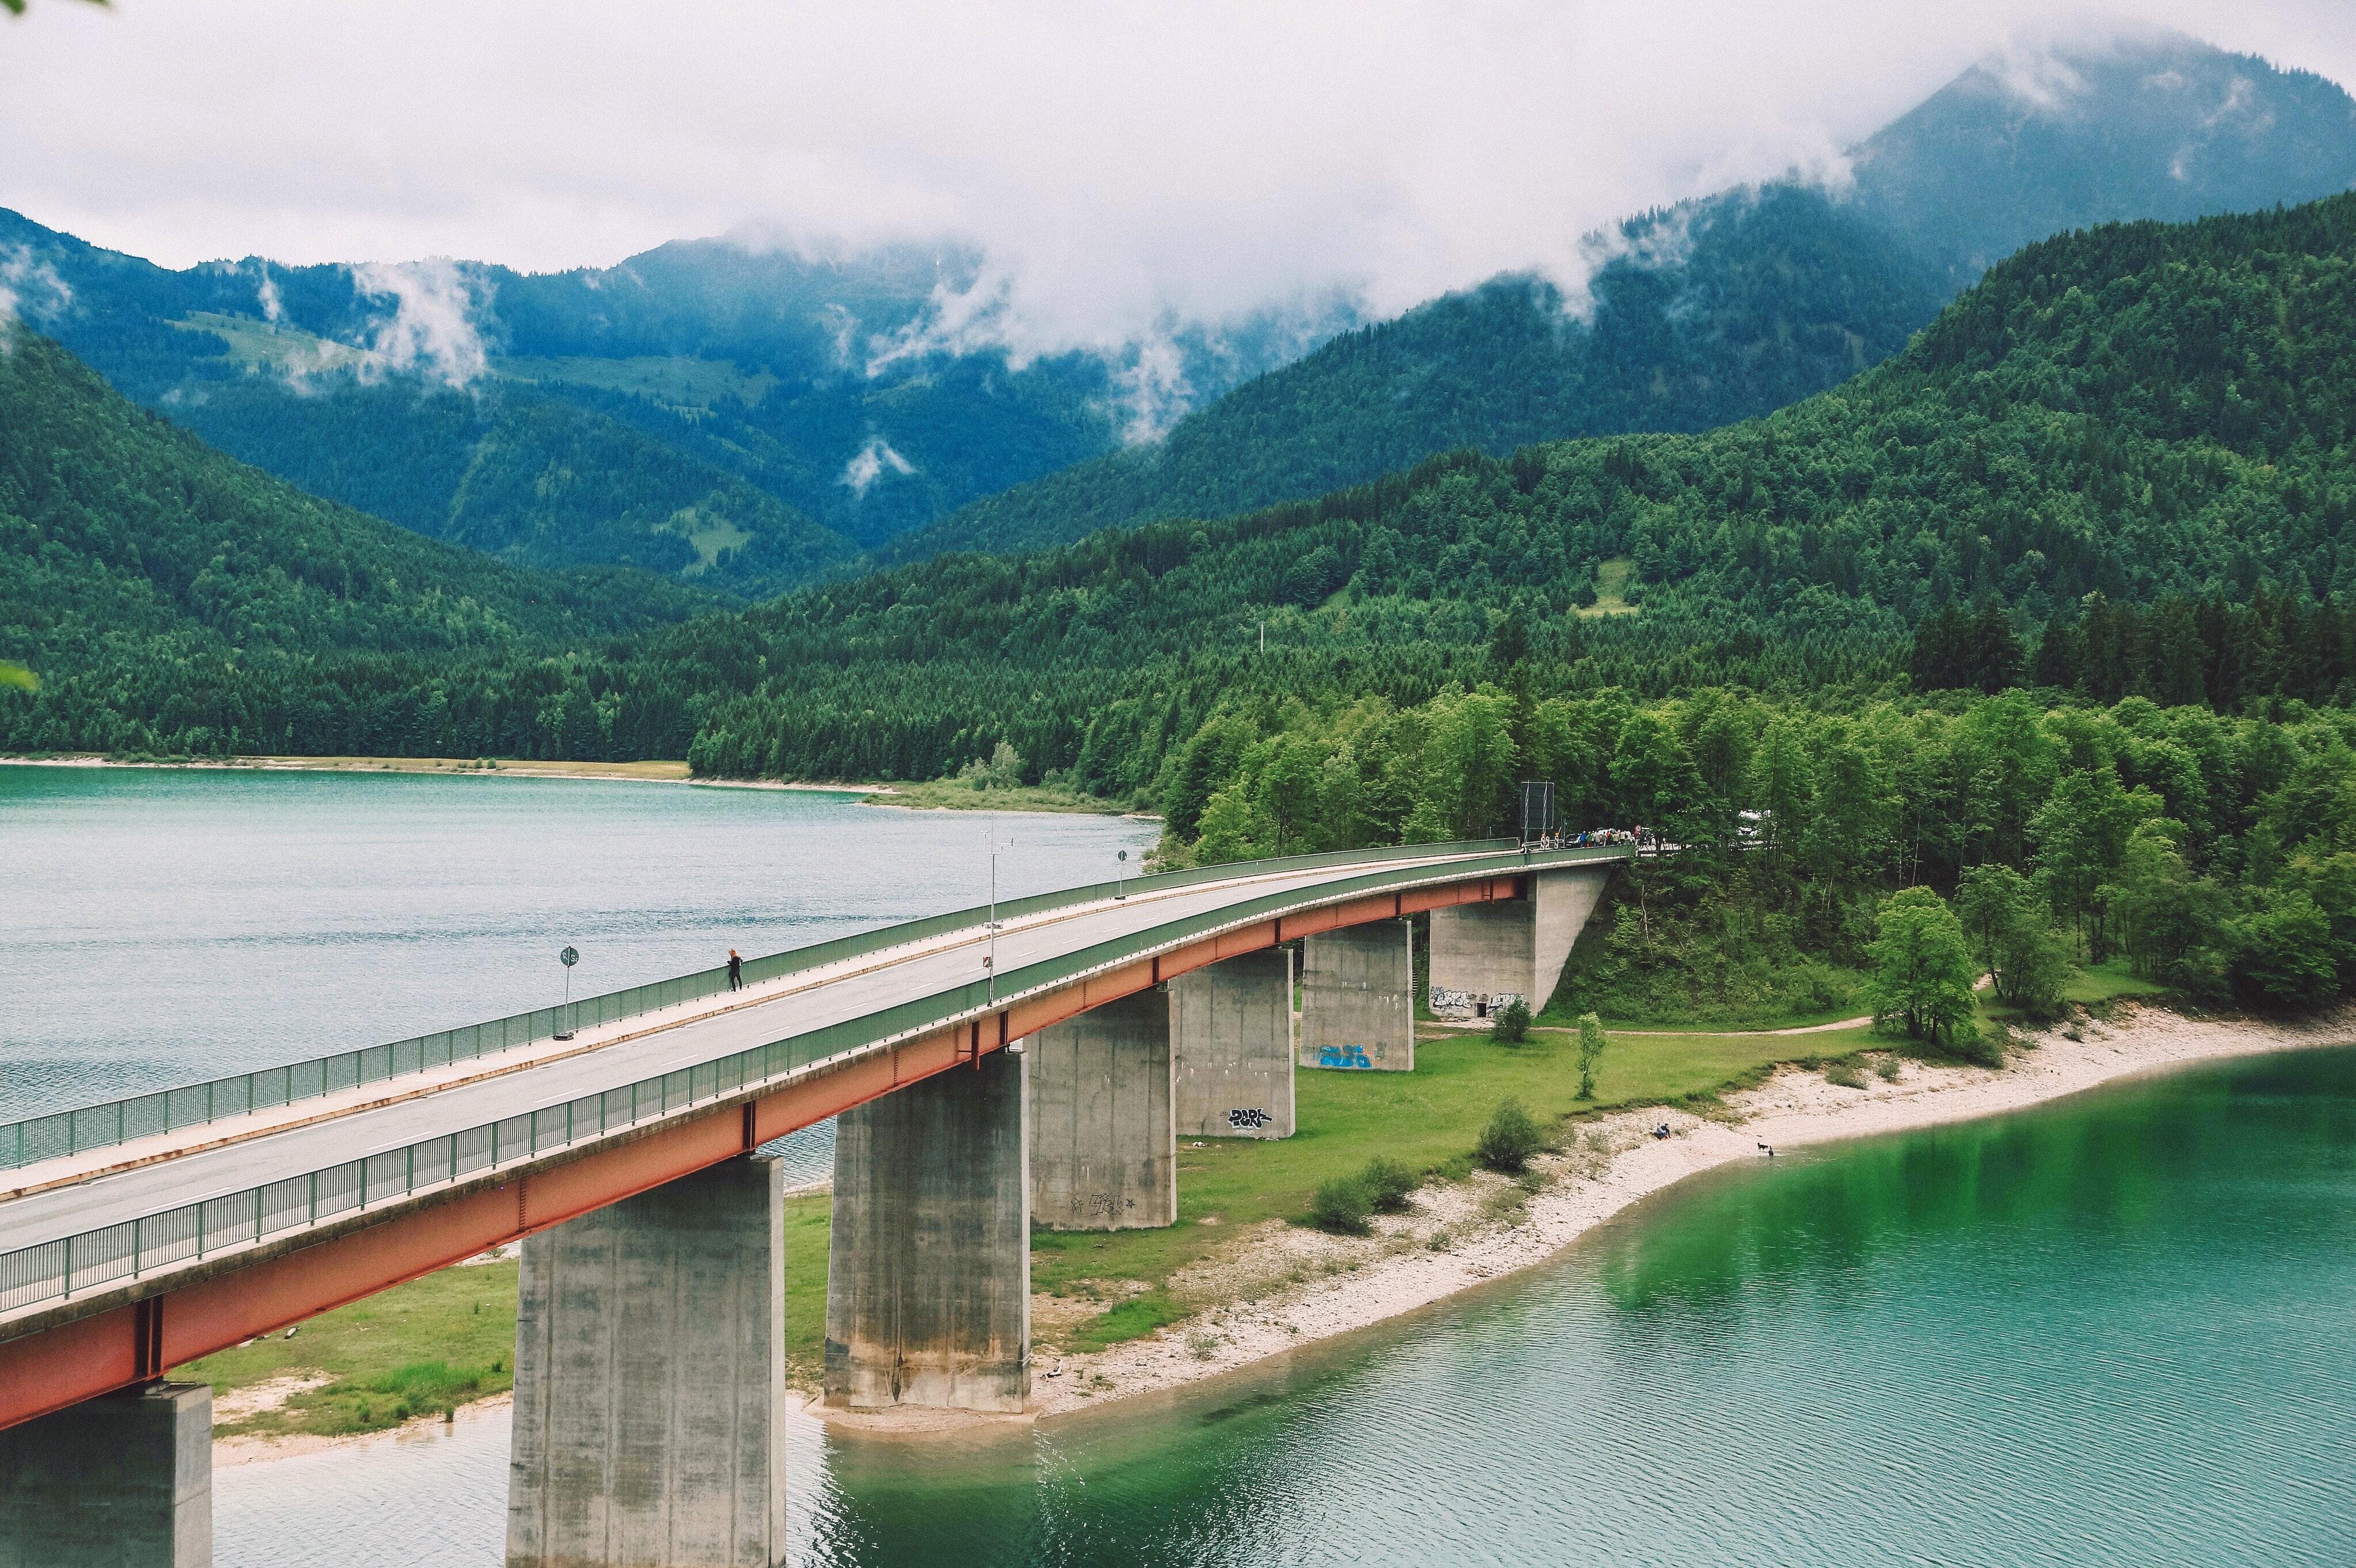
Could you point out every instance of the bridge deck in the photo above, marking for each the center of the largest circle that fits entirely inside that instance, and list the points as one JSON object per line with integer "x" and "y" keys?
{"x": 789, "y": 1053}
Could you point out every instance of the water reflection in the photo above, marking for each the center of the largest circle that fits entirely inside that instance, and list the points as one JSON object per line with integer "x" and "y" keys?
{"x": 2113, "y": 1330}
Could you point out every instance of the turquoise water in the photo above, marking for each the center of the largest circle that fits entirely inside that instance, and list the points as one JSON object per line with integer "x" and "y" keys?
{"x": 2119, "y": 1329}
{"x": 164, "y": 927}
{"x": 2116, "y": 1329}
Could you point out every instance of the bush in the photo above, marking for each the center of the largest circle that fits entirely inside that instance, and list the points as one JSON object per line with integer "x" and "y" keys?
{"x": 1510, "y": 1139}
{"x": 1388, "y": 1183}
{"x": 1512, "y": 1025}
{"x": 1845, "y": 1074}
{"x": 1342, "y": 1205}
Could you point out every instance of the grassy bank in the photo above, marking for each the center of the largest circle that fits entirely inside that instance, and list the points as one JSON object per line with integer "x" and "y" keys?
{"x": 957, "y": 795}
{"x": 417, "y": 1349}
{"x": 450, "y": 1337}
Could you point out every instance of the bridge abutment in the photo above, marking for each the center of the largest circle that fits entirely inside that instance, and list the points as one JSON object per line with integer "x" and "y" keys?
{"x": 1486, "y": 955}
{"x": 649, "y": 1386}
{"x": 1104, "y": 1143}
{"x": 1357, "y": 998}
{"x": 1232, "y": 1047}
{"x": 124, "y": 1480}
{"x": 928, "y": 1270}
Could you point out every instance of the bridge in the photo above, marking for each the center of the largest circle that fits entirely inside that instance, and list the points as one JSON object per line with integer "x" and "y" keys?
{"x": 990, "y": 1074}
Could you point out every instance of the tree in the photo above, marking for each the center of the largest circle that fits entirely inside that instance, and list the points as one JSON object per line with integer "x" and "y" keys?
{"x": 1591, "y": 1041}
{"x": 2282, "y": 954}
{"x": 2165, "y": 917}
{"x": 1513, "y": 1023}
{"x": 1510, "y": 1139}
{"x": 1923, "y": 972}
{"x": 2013, "y": 937}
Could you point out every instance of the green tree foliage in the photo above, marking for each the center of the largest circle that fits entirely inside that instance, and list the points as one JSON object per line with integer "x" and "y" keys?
{"x": 1512, "y": 1026}
{"x": 1921, "y": 977}
{"x": 1591, "y": 1041}
{"x": 1389, "y": 1184}
{"x": 1342, "y": 1204}
{"x": 1509, "y": 1141}
{"x": 2012, "y": 937}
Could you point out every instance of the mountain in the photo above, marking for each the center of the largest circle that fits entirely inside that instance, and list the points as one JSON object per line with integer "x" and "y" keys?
{"x": 2157, "y": 126}
{"x": 1723, "y": 308}
{"x": 2161, "y": 416}
{"x": 1705, "y": 313}
{"x": 742, "y": 418}
{"x": 157, "y": 585}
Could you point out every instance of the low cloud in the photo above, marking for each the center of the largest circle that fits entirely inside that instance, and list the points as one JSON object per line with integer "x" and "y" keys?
{"x": 868, "y": 463}
{"x": 1122, "y": 167}
{"x": 432, "y": 329}
{"x": 30, "y": 289}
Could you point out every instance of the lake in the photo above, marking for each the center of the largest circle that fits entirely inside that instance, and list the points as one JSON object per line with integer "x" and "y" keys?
{"x": 2120, "y": 1328}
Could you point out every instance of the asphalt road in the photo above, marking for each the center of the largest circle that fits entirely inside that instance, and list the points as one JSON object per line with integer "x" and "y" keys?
{"x": 699, "y": 1034}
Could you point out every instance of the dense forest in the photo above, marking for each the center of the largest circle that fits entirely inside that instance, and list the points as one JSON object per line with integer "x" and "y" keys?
{"x": 2154, "y": 415}
{"x": 745, "y": 416}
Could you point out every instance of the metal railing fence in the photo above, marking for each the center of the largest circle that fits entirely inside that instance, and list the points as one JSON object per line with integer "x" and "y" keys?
{"x": 66, "y": 1133}
{"x": 55, "y": 1270}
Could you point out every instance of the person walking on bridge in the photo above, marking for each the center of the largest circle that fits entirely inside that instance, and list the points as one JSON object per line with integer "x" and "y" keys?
{"x": 736, "y": 971}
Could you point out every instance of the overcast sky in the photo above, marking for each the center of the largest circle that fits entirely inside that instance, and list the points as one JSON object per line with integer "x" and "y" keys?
{"x": 1118, "y": 161}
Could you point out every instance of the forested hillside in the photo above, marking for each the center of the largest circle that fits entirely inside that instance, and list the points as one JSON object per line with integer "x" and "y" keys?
{"x": 2158, "y": 415}
{"x": 741, "y": 416}
{"x": 141, "y": 572}
{"x": 1727, "y": 307}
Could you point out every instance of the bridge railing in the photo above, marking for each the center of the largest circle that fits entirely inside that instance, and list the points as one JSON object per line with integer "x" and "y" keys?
{"x": 67, "y": 1133}
{"x": 55, "y": 1270}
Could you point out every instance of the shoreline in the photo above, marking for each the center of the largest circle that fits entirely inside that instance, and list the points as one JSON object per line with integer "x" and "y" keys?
{"x": 1286, "y": 1287}
{"x": 1289, "y": 1287}
{"x": 904, "y": 796}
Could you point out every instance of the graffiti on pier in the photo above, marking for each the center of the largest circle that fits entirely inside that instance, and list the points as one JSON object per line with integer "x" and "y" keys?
{"x": 1343, "y": 1056}
{"x": 1250, "y": 1119}
{"x": 1447, "y": 1003}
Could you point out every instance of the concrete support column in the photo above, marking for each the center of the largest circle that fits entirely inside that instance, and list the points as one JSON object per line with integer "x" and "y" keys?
{"x": 1357, "y": 998}
{"x": 650, "y": 1380}
{"x": 1486, "y": 955}
{"x": 1104, "y": 1147}
{"x": 122, "y": 1481}
{"x": 929, "y": 1273}
{"x": 1231, "y": 1045}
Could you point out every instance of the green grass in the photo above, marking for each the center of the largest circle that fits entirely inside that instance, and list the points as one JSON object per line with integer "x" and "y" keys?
{"x": 678, "y": 381}
{"x": 254, "y": 343}
{"x": 428, "y": 1346}
{"x": 1611, "y": 589}
{"x": 2108, "y": 982}
{"x": 950, "y": 794}
{"x": 450, "y": 1337}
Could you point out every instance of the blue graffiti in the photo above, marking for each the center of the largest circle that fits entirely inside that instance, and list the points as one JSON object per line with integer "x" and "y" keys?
{"x": 1342, "y": 1056}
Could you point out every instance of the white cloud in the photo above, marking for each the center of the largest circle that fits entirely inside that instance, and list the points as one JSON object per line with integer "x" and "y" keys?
{"x": 30, "y": 289}
{"x": 867, "y": 465}
{"x": 432, "y": 327}
{"x": 1121, "y": 166}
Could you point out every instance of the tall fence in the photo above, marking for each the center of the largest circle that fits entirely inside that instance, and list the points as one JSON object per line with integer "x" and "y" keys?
{"x": 55, "y": 1269}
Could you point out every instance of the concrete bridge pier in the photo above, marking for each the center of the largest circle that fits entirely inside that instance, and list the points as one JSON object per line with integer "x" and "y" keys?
{"x": 650, "y": 1380}
{"x": 1357, "y": 998}
{"x": 928, "y": 1268}
{"x": 1483, "y": 956}
{"x": 1231, "y": 1045}
{"x": 124, "y": 1480}
{"x": 1104, "y": 1143}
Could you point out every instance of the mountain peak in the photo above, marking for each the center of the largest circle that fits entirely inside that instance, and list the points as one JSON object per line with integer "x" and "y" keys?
{"x": 2142, "y": 123}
